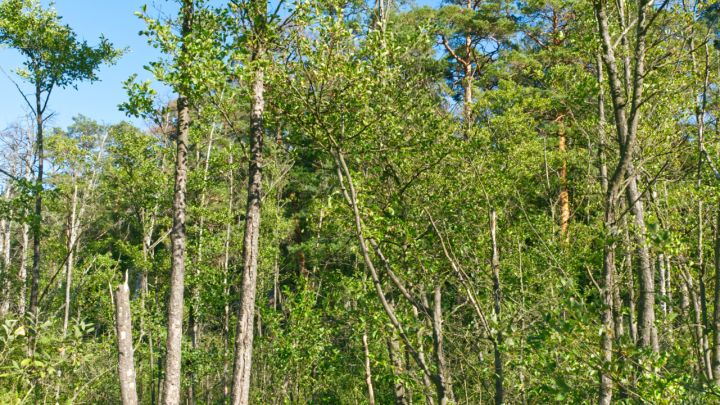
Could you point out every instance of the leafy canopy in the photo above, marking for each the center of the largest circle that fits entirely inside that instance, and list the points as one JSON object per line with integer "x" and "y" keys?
{"x": 53, "y": 54}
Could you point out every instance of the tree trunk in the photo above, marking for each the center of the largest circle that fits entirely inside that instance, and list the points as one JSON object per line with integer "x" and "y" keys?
{"x": 226, "y": 286}
{"x": 70, "y": 260}
{"x": 126, "y": 364}
{"x": 177, "y": 235}
{"x": 444, "y": 384}
{"x": 22, "y": 271}
{"x": 702, "y": 344}
{"x": 564, "y": 193}
{"x": 397, "y": 369}
{"x": 421, "y": 353}
{"x": 647, "y": 332}
{"x": 467, "y": 84}
{"x": 350, "y": 194}
{"x": 626, "y": 112}
{"x": 606, "y": 339}
{"x": 246, "y": 312}
{"x": 177, "y": 283}
{"x": 5, "y": 278}
{"x": 37, "y": 217}
{"x": 716, "y": 313}
{"x": 628, "y": 267}
{"x": 663, "y": 284}
{"x": 173, "y": 345}
{"x": 368, "y": 370}
{"x": 497, "y": 297}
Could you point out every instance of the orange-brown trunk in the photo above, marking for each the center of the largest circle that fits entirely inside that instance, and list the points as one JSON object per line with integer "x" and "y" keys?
{"x": 564, "y": 195}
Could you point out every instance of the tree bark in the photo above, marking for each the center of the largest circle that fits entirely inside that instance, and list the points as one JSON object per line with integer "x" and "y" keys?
{"x": 647, "y": 333}
{"x": 606, "y": 339}
{"x": 246, "y": 312}
{"x": 22, "y": 271}
{"x": 626, "y": 124}
{"x": 397, "y": 370}
{"x": 420, "y": 336}
{"x": 226, "y": 285}
{"x": 368, "y": 370}
{"x": 628, "y": 267}
{"x": 173, "y": 345}
{"x": 444, "y": 384}
{"x": 37, "y": 217}
{"x": 497, "y": 297}
{"x": 5, "y": 278}
{"x": 126, "y": 364}
{"x": 70, "y": 260}
{"x": 701, "y": 338}
{"x": 663, "y": 284}
{"x": 564, "y": 193}
{"x": 716, "y": 312}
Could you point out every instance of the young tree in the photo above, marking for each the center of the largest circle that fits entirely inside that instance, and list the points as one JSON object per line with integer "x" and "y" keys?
{"x": 54, "y": 57}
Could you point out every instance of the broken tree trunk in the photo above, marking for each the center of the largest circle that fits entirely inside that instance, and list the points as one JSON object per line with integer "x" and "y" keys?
{"x": 123, "y": 326}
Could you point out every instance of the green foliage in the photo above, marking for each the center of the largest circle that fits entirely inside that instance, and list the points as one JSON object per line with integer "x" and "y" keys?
{"x": 385, "y": 101}
{"x": 53, "y": 55}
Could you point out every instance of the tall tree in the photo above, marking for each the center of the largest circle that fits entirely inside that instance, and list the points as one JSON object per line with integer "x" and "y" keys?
{"x": 256, "y": 13}
{"x": 54, "y": 57}
{"x": 627, "y": 102}
{"x": 173, "y": 346}
{"x": 195, "y": 64}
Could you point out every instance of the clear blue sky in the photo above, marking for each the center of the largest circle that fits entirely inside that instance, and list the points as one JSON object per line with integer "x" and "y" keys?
{"x": 99, "y": 100}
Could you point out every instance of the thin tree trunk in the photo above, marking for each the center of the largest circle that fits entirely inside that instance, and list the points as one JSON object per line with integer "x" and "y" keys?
{"x": 126, "y": 364}
{"x": 668, "y": 282}
{"x": 626, "y": 124}
{"x": 716, "y": 313}
{"x": 606, "y": 339}
{"x": 646, "y": 302}
{"x": 226, "y": 286}
{"x": 350, "y": 195}
{"x": 564, "y": 193}
{"x": 467, "y": 84}
{"x": 22, "y": 271}
{"x": 37, "y": 217}
{"x": 497, "y": 297}
{"x": 5, "y": 278}
{"x": 602, "y": 122}
{"x": 397, "y": 369}
{"x": 714, "y": 369}
{"x": 663, "y": 284}
{"x": 628, "y": 267}
{"x": 368, "y": 370}
{"x": 173, "y": 345}
{"x": 70, "y": 260}
{"x": 421, "y": 353}
{"x": 246, "y": 313}
{"x": 444, "y": 385}
{"x": 702, "y": 344}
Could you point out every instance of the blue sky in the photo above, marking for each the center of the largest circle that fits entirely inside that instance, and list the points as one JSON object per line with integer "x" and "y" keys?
{"x": 99, "y": 100}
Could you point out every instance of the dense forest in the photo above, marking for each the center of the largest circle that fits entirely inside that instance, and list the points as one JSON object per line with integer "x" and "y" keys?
{"x": 368, "y": 202}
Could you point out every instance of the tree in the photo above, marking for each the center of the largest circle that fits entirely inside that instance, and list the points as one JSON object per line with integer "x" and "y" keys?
{"x": 53, "y": 58}
{"x": 256, "y": 37}
{"x": 197, "y": 42}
